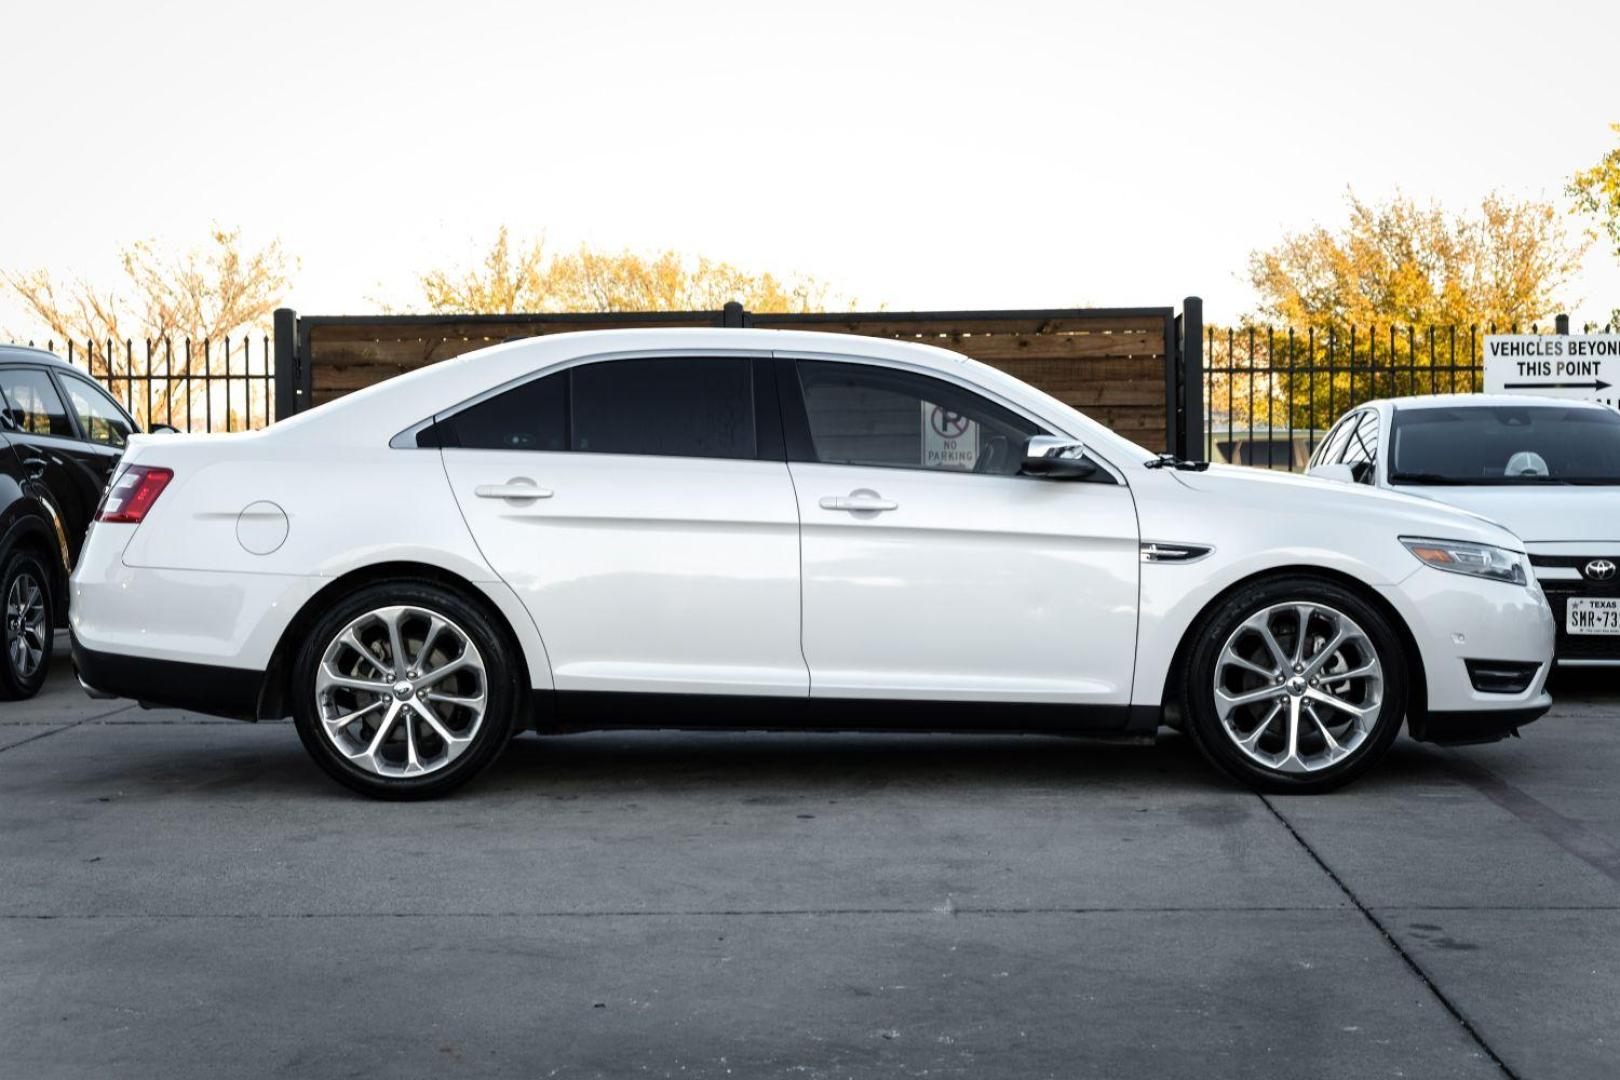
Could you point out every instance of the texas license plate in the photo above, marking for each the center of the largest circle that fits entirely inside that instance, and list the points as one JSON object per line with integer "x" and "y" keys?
{"x": 1592, "y": 616}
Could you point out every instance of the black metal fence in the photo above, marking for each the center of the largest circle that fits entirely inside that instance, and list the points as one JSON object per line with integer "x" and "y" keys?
{"x": 226, "y": 384}
{"x": 1271, "y": 394}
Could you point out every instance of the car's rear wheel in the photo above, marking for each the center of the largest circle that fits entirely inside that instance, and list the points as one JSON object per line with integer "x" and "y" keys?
{"x": 406, "y": 690}
{"x": 27, "y": 626}
{"x": 1295, "y": 684}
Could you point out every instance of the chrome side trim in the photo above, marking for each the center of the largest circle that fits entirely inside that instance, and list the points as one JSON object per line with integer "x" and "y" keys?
{"x": 1587, "y": 663}
{"x": 1162, "y": 551}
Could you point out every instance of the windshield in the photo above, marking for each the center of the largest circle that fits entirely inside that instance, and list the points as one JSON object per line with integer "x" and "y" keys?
{"x": 1506, "y": 444}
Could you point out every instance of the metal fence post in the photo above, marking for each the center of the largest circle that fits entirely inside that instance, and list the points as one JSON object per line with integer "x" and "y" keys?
{"x": 733, "y": 315}
{"x": 286, "y": 336}
{"x": 1192, "y": 379}
{"x": 1561, "y": 325}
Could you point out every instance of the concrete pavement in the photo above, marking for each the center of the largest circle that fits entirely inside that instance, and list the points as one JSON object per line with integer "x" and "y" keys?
{"x": 192, "y": 898}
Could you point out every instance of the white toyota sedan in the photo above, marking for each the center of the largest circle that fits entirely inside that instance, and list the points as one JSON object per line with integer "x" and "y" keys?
{"x": 1547, "y": 468}
{"x": 763, "y": 529}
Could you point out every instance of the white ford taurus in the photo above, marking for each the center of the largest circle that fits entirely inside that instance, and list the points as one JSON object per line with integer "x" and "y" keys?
{"x": 761, "y": 529}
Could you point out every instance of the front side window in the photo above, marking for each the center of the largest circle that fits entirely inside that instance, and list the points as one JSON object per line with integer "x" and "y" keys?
{"x": 1361, "y": 447}
{"x": 1330, "y": 449}
{"x": 862, "y": 414}
{"x": 674, "y": 407}
{"x": 32, "y": 404}
{"x": 1505, "y": 444}
{"x": 99, "y": 419}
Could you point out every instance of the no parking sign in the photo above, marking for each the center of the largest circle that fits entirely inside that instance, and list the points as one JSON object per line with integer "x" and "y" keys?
{"x": 950, "y": 440}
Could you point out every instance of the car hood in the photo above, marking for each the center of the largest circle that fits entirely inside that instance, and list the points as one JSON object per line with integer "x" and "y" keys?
{"x": 1263, "y": 491}
{"x": 1540, "y": 514}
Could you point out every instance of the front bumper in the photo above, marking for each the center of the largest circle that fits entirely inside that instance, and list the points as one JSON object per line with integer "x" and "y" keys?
{"x": 1455, "y": 619}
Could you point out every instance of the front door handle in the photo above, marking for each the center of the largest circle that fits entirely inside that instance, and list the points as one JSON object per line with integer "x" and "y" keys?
{"x": 858, "y": 501}
{"x": 519, "y": 489}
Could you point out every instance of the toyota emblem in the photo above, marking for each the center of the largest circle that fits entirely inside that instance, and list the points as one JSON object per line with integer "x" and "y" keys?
{"x": 1600, "y": 570}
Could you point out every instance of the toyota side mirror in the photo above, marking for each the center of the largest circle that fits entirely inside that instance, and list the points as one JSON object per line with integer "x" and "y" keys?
{"x": 1344, "y": 474}
{"x": 1054, "y": 458}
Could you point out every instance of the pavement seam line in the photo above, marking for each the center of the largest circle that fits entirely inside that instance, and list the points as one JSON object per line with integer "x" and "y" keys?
{"x": 1389, "y": 939}
{"x": 65, "y": 727}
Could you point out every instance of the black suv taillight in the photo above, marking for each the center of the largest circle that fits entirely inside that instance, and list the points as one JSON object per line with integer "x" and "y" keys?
{"x": 133, "y": 493}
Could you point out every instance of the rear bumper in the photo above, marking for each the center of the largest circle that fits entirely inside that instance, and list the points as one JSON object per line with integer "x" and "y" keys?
{"x": 1473, "y": 726}
{"x": 174, "y": 684}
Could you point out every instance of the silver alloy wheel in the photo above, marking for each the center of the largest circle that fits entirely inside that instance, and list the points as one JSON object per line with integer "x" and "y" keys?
{"x": 401, "y": 691}
{"x": 1298, "y": 687}
{"x": 25, "y": 624}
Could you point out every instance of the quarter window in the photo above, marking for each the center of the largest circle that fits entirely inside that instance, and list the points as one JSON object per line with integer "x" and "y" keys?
{"x": 99, "y": 419}
{"x": 32, "y": 404}
{"x": 862, "y": 414}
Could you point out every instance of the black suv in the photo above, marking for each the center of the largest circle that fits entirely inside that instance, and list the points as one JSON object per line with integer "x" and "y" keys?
{"x": 61, "y": 435}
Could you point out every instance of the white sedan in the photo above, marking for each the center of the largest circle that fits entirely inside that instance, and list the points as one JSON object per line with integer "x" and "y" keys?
{"x": 764, "y": 529}
{"x": 1547, "y": 468}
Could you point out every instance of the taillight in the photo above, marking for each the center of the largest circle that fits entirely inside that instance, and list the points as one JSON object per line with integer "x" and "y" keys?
{"x": 133, "y": 494}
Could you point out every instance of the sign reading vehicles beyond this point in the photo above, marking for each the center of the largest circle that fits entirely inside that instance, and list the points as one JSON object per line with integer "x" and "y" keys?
{"x": 1585, "y": 366}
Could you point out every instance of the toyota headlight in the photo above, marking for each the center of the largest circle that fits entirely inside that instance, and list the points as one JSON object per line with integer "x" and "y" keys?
{"x": 1475, "y": 560}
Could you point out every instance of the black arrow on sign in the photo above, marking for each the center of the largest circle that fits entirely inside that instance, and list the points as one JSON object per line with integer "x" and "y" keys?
{"x": 1595, "y": 384}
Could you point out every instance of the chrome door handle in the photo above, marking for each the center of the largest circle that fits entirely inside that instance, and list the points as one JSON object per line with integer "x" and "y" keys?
{"x": 517, "y": 489}
{"x": 858, "y": 501}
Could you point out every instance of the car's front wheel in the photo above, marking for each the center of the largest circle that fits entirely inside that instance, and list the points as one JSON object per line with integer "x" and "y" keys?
{"x": 25, "y": 594}
{"x": 1295, "y": 684}
{"x": 405, "y": 690}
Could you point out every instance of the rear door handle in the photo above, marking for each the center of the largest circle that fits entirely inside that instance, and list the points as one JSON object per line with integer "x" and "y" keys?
{"x": 35, "y": 466}
{"x": 517, "y": 489}
{"x": 858, "y": 501}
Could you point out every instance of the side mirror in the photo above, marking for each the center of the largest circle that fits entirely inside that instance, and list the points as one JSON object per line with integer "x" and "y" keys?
{"x": 1344, "y": 474}
{"x": 1054, "y": 458}
{"x": 162, "y": 429}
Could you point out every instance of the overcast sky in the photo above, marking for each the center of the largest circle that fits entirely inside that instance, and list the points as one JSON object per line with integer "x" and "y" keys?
{"x": 920, "y": 155}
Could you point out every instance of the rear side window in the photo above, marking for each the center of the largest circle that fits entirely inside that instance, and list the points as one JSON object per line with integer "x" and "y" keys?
{"x": 32, "y": 404}
{"x": 679, "y": 407}
{"x": 533, "y": 416}
{"x": 676, "y": 407}
{"x": 99, "y": 419}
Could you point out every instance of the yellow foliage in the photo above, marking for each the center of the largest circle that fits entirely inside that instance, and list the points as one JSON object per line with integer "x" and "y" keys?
{"x": 508, "y": 281}
{"x": 1399, "y": 262}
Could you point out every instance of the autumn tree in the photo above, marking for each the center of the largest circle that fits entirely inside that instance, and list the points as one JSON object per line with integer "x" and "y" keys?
{"x": 1368, "y": 294}
{"x": 523, "y": 277}
{"x": 1596, "y": 192}
{"x": 206, "y": 293}
{"x": 1416, "y": 265}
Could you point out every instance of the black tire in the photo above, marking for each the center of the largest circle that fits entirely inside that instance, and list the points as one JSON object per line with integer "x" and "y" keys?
{"x": 1211, "y": 634}
{"x": 506, "y": 694}
{"x": 26, "y": 572}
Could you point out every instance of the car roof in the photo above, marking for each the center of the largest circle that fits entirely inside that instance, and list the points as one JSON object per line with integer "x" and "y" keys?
{"x": 1453, "y": 401}
{"x": 30, "y": 354}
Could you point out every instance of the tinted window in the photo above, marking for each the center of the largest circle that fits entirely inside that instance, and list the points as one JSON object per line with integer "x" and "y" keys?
{"x": 99, "y": 419}
{"x": 533, "y": 416}
{"x": 1361, "y": 447}
{"x": 1332, "y": 447}
{"x": 32, "y": 403}
{"x": 1505, "y": 444}
{"x": 867, "y": 415}
{"x": 678, "y": 407}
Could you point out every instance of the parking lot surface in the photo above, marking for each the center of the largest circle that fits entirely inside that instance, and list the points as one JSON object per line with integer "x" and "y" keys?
{"x": 188, "y": 897}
